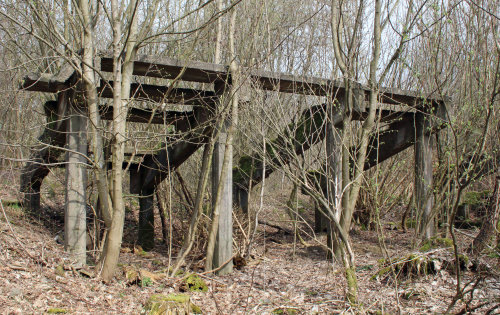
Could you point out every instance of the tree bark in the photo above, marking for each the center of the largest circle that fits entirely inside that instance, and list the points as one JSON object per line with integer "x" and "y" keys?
{"x": 490, "y": 220}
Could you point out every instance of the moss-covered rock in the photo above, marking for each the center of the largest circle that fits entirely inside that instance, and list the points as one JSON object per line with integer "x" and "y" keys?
{"x": 194, "y": 283}
{"x": 170, "y": 304}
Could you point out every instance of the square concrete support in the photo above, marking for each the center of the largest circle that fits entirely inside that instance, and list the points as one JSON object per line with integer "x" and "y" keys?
{"x": 424, "y": 197}
{"x": 75, "y": 216}
{"x": 333, "y": 189}
{"x": 224, "y": 241}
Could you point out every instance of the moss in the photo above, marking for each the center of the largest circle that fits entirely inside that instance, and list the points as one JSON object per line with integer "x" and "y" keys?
{"x": 195, "y": 283}
{"x": 393, "y": 225}
{"x": 179, "y": 298}
{"x": 352, "y": 286}
{"x": 436, "y": 242}
{"x": 245, "y": 167}
{"x": 56, "y": 310}
{"x": 285, "y": 310}
{"x": 160, "y": 304}
{"x": 463, "y": 260}
{"x": 163, "y": 304}
{"x": 476, "y": 198}
{"x": 146, "y": 282}
{"x": 411, "y": 223}
{"x": 195, "y": 309}
{"x": 493, "y": 255}
{"x": 380, "y": 273}
{"x": 426, "y": 246}
{"x": 131, "y": 274}
{"x": 307, "y": 126}
{"x": 60, "y": 271}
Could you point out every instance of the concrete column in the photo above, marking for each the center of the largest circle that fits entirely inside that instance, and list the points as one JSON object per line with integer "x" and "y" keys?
{"x": 224, "y": 241}
{"x": 424, "y": 197}
{"x": 333, "y": 183}
{"x": 146, "y": 234}
{"x": 75, "y": 216}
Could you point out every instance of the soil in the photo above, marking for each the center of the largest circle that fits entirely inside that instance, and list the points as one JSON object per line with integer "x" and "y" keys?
{"x": 36, "y": 274}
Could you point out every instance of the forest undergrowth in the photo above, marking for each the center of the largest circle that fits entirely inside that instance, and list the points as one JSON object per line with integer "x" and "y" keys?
{"x": 281, "y": 275}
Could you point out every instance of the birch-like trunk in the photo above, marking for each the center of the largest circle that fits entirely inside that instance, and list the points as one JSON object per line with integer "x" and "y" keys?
{"x": 122, "y": 75}
{"x": 90, "y": 90}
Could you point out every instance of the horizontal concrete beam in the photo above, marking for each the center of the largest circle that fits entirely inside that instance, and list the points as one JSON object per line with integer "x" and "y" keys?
{"x": 162, "y": 94}
{"x": 147, "y": 115}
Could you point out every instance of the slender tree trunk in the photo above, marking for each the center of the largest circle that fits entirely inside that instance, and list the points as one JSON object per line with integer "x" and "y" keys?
{"x": 122, "y": 75}
{"x": 91, "y": 99}
{"x": 490, "y": 220}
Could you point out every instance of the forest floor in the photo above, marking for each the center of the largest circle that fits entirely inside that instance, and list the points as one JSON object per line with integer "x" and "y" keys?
{"x": 36, "y": 275}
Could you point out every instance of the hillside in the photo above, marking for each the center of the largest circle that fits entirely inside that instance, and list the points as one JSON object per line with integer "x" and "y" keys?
{"x": 37, "y": 277}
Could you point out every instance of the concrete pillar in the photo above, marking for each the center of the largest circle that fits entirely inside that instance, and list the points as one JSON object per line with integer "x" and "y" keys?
{"x": 320, "y": 220}
{"x": 75, "y": 216}
{"x": 146, "y": 228}
{"x": 242, "y": 198}
{"x": 333, "y": 183}
{"x": 146, "y": 234}
{"x": 224, "y": 241}
{"x": 424, "y": 197}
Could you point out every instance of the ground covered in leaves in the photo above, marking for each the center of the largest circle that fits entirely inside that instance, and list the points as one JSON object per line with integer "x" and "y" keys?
{"x": 283, "y": 276}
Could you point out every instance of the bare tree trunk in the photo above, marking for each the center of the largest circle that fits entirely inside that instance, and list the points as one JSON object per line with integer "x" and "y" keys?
{"x": 490, "y": 220}
{"x": 122, "y": 75}
{"x": 90, "y": 87}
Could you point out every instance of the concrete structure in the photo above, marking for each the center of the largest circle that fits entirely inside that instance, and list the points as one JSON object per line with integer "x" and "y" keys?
{"x": 66, "y": 115}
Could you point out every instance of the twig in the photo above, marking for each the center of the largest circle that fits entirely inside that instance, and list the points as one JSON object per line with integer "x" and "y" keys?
{"x": 202, "y": 274}
{"x": 218, "y": 268}
{"x": 275, "y": 226}
{"x": 211, "y": 279}
{"x": 38, "y": 260}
